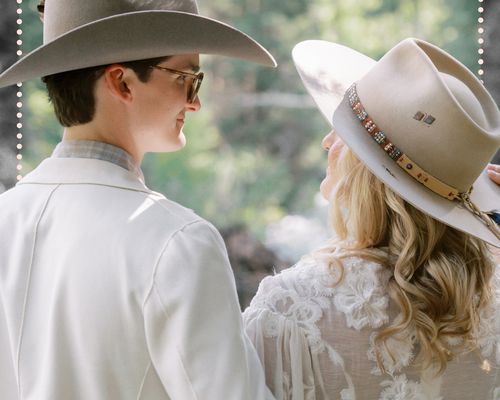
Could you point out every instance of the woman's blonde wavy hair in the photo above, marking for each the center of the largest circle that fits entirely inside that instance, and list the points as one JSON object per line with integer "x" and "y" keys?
{"x": 440, "y": 276}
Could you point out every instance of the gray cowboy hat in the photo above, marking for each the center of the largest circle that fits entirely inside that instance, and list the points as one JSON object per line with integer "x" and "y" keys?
{"x": 85, "y": 33}
{"x": 419, "y": 120}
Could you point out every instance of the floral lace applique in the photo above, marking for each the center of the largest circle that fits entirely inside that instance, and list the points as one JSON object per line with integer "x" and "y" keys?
{"x": 304, "y": 292}
{"x": 395, "y": 355}
{"x": 361, "y": 297}
{"x": 308, "y": 288}
{"x": 489, "y": 328}
{"x": 347, "y": 394}
{"x": 489, "y": 335}
{"x": 310, "y": 279}
{"x": 400, "y": 388}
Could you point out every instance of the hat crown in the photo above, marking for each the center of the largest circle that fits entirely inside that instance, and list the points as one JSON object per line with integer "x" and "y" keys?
{"x": 467, "y": 100}
{"x": 62, "y": 16}
{"x": 415, "y": 80}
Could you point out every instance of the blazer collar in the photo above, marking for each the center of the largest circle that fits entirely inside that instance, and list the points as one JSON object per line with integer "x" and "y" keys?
{"x": 60, "y": 171}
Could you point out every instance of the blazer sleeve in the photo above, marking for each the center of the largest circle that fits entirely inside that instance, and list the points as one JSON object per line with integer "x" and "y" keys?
{"x": 193, "y": 322}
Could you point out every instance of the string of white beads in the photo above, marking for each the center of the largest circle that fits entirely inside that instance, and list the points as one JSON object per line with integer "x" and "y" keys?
{"x": 19, "y": 94}
{"x": 480, "y": 40}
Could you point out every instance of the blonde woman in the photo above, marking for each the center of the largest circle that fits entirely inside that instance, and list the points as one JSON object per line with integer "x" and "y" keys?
{"x": 404, "y": 303}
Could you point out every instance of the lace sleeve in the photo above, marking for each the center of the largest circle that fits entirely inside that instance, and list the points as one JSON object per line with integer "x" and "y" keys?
{"x": 292, "y": 321}
{"x": 281, "y": 344}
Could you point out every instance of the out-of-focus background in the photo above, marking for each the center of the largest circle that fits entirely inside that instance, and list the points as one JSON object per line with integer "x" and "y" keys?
{"x": 253, "y": 162}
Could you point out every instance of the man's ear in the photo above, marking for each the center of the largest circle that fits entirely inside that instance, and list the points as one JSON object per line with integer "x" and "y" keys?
{"x": 41, "y": 9}
{"x": 117, "y": 79}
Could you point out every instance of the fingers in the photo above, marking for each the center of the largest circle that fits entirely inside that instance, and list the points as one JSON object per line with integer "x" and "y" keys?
{"x": 494, "y": 172}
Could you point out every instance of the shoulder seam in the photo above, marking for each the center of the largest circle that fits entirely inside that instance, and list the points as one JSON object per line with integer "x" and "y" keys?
{"x": 160, "y": 255}
{"x": 28, "y": 285}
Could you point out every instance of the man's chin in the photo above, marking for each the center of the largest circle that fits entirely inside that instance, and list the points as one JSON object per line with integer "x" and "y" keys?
{"x": 169, "y": 147}
{"x": 182, "y": 140}
{"x": 177, "y": 143}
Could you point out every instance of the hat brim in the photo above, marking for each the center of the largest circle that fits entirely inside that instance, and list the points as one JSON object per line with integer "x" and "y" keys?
{"x": 327, "y": 70}
{"x": 135, "y": 36}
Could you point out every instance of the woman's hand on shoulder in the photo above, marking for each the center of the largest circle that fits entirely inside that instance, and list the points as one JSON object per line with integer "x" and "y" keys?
{"x": 494, "y": 172}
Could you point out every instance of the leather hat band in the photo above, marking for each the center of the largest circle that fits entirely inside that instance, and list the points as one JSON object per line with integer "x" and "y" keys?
{"x": 409, "y": 166}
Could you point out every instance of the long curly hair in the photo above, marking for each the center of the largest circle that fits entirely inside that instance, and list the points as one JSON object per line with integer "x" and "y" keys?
{"x": 440, "y": 276}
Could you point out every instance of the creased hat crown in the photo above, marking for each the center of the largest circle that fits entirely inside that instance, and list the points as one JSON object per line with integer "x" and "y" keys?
{"x": 417, "y": 77}
{"x": 61, "y": 16}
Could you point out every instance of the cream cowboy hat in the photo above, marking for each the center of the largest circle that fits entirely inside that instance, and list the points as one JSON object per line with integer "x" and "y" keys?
{"x": 86, "y": 33}
{"x": 419, "y": 120}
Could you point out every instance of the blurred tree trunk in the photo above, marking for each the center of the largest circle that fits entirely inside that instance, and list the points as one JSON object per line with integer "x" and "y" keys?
{"x": 8, "y": 97}
{"x": 492, "y": 52}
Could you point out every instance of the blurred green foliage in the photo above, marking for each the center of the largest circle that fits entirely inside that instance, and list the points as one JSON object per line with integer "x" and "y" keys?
{"x": 253, "y": 152}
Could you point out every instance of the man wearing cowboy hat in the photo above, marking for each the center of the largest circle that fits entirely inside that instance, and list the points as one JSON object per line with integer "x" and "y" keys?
{"x": 107, "y": 289}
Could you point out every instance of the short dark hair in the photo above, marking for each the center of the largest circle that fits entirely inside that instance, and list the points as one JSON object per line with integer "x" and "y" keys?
{"x": 72, "y": 92}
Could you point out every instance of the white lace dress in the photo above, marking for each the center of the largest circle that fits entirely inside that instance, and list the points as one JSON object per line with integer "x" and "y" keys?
{"x": 315, "y": 340}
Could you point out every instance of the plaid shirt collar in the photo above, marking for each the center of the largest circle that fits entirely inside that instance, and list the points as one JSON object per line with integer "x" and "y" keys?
{"x": 100, "y": 151}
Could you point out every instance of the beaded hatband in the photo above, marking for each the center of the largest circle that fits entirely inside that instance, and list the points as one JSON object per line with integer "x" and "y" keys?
{"x": 490, "y": 218}
{"x": 395, "y": 153}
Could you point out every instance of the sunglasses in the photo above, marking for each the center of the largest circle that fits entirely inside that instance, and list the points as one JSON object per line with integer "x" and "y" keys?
{"x": 196, "y": 80}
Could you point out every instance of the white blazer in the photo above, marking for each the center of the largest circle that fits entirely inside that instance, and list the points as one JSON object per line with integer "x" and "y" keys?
{"x": 110, "y": 291}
